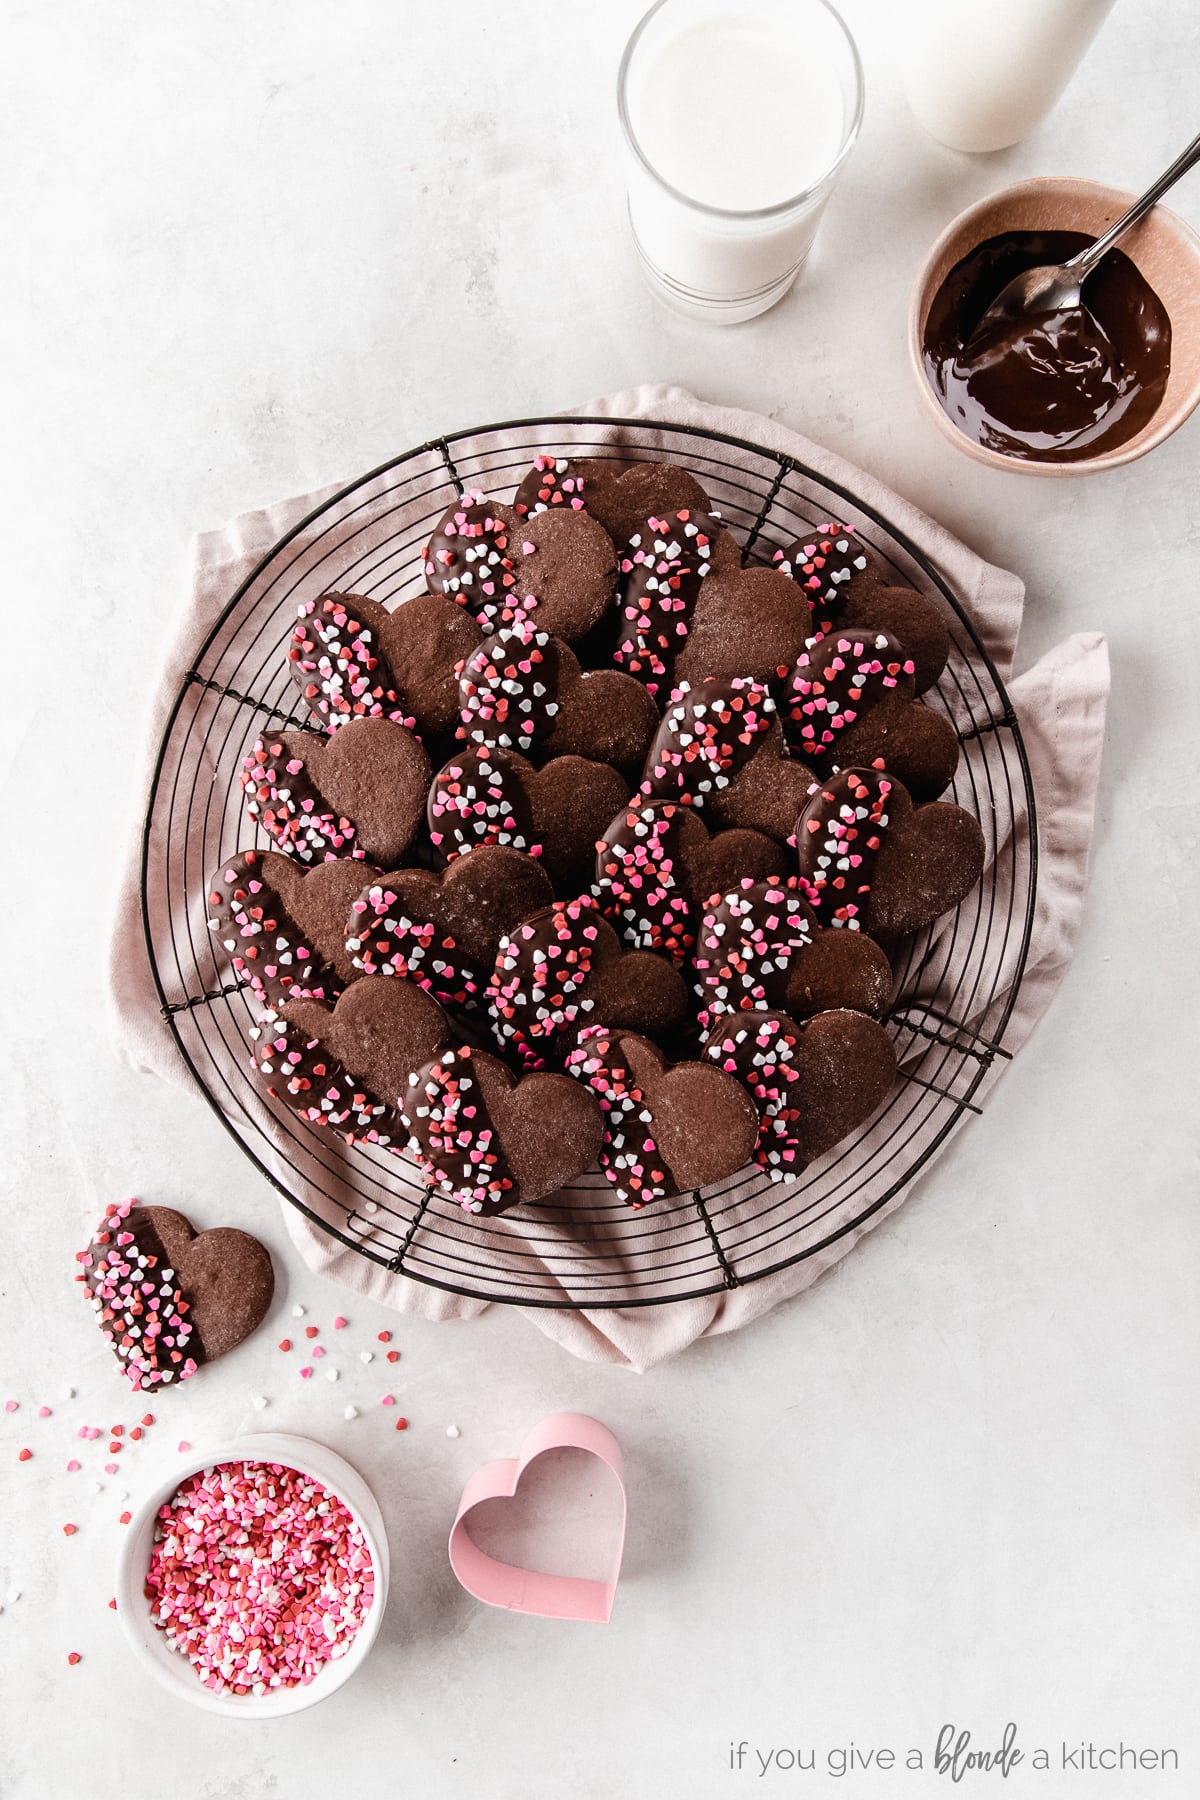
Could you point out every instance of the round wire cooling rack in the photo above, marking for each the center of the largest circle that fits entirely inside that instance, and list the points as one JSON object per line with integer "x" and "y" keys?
{"x": 956, "y": 983}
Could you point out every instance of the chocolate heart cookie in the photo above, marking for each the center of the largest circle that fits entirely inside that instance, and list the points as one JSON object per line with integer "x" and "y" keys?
{"x": 667, "y": 1129}
{"x": 282, "y": 926}
{"x": 813, "y": 1083}
{"x": 752, "y": 623}
{"x": 168, "y": 1298}
{"x": 556, "y": 813}
{"x": 380, "y": 1029}
{"x": 523, "y": 688}
{"x": 667, "y": 561}
{"x": 564, "y": 967}
{"x": 870, "y": 861}
{"x": 490, "y": 1141}
{"x": 761, "y": 946}
{"x": 360, "y": 794}
{"x": 352, "y": 658}
{"x": 621, "y": 495}
{"x": 442, "y": 931}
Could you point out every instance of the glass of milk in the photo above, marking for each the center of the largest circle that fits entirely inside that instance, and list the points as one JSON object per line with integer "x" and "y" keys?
{"x": 738, "y": 116}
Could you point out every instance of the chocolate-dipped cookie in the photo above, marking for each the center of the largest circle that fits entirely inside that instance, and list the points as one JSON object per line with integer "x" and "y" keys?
{"x": 488, "y": 796}
{"x": 564, "y": 967}
{"x": 442, "y": 930}
{"x": 281, "y": 927}
{"x": 621, "y": 495}
{"x": 489, "y": 1141}
{"x": 350, "y": 658}
{"x": 870, "y": 861}
{"x": 668, "y": 559}
{"x": 359, "y": 794}
{"x": 761, "y": 946}
{"x": 168, "y": 1298}
{"x": 667, "y": 1129}
{"x": 522, "y": 689}
{"x": 813, "y": 1082}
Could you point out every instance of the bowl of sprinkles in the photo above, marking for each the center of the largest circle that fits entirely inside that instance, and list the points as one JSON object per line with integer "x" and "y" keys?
{"x": 253, "y": 1582}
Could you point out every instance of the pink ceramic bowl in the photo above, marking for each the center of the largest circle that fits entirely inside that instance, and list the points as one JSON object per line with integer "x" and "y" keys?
{"x": 1164, "y": 249}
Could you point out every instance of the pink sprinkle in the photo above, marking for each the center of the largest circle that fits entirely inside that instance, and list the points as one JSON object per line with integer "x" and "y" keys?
{"x": 305, "y": 1373}
{"x": 112, "y": 1468}
{"x": 92, "y": 1432}
{"x": 318, "y": 1350}
{"x": 73, "y": 1467}
{"x": 43, "y": 1412}
{"x": 183, "y": 1445}
{"x": 70, "y": 1530}
{"x": 339, "y": 1324}
{"x": 388, "y": 1400}
{"x": 233, "y": 1537}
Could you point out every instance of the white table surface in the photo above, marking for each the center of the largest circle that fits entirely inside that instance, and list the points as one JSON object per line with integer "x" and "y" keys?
{"x": 256, "y": 248}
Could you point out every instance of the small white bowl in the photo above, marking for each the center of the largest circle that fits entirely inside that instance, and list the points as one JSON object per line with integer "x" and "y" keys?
{"x": 150, "y": 1645}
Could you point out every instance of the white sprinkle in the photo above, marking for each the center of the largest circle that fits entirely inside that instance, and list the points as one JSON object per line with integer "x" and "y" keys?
{"x": 260, "y": 1402}
{"x": 351, "y": 1412}
{"x": 297, "y": 1311}
{"x": 331, "y": 1374}
{"x": 452, "y": 1431}
{"x": 67, "y": 1393}
{"x": 366, "y": 1356}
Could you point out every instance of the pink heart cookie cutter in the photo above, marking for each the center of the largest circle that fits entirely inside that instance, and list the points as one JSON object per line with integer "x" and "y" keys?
{"x": 530, "y": 1590}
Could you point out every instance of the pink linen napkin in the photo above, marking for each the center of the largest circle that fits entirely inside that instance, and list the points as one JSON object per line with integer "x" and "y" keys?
{"x": 1060, "y": 703}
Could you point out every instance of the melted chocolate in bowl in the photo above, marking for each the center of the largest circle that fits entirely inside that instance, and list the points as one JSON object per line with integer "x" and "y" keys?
{"x": 1056, "y": 389}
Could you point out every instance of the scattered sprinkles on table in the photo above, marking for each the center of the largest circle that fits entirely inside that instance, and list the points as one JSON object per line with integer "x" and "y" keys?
{"x": 259, "y": 1576}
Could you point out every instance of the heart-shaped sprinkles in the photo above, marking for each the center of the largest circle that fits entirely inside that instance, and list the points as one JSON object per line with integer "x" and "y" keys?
{"x": 760, "y": 1048}
{"x": 479, "y": 798}
{"x": 639, "y": 878}
{"x": 339, "y": 668}
{"x": 540, "y": 969}
{"x": 453, "y": 1134}
{"x": 745, "y": 947}
{"x": 138, "y": 1299}
{"x": 838, "y": 838}
{"x": 838, "y": 678}
{"x": 629, "y": 1158}
{"x": 387, "y": 941}
{"x": 283, "y": 800}
{"x": 266, "y": 947}
{"x": 552, "y": 481}
{"x": 665, "y": 563}
{"x": 824, "y": 563}
{"x": 508, "y": 687}
{"x": 470, "y": 558}
{"x": 300, "y": 1071}
{"x": 707, "y": 733}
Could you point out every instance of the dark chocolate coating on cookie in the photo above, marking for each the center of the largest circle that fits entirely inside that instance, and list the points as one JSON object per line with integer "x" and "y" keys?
{"x": 746, "y": 946}
{"x": 667, "y": 1129}
{"x": 708, "y": 733}
{"x": 837, "y": 680}
{"x": 360, "y": 793}
{"x": 470, "y": 557}
{"x": 621, "y": 495}
{"x": 295, "y": 1065}
{"x": 409, "y": 664}
{"x": 509, "y": 689}
{"x": 667, "y": 560}
{"x": 767, "y": 791}
{"x": 481, "y": 797}
{"x": 265, "y": 945}
{"x": 489, "y": 1141}
{"x": 381, "y": 1029}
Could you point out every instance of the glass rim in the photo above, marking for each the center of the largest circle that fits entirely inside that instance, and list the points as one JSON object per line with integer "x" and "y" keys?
{"x": 733, "y": 212}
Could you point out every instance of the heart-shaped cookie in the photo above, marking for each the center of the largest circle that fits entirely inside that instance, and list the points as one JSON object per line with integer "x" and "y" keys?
{"x": 668, "y": 559}
{"x": 846, "y": 584}
{"x": 489, "y": 1141}
{"x": 656, "y": 864}
{"x": 564, "y": 967}
{"x": 813, "y": 1083}
{"x": 621, "y": 495}
{"x": 837, "y": 679}
{"x": 442, "y": 931}
{"x": 760, "y": 945}
{"x": 916, "y": 745}
{"x": 667, "y": 1129}
{"x": 523, "y": 688}
{"x": 282, "y": 926}
{"x": 360, "y": 793}
{"x": 556, "y": 813}
{"x": 168, "y": 1298}
{"x": 561, "y": 566}
{"x": 707, "y": 734}
{"x": 750, "y": 622}
{"x": 352, "y": 658}
{"x": 381, "y": 1029}
{"x": 870, "y": 861}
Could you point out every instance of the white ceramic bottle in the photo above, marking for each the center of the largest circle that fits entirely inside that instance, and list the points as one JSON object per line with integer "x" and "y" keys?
{"x": 983, "y": 74}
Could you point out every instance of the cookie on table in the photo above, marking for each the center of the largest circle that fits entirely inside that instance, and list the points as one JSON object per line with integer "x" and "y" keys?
{"x": 168, "y": 1298}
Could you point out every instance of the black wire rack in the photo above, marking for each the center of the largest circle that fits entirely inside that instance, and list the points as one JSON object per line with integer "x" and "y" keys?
{"x": 956, "y": 984}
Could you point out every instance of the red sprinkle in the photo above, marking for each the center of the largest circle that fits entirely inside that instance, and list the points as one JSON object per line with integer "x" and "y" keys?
{"x": 311, "y": 1331}
{"x": 401, "y": 1424}
{"x": 393, "y": 1356}
{"x": 123, "y": 1520}
{"x": 70, "y": 1530}
{"x": 385, "y": 1337}
{"x": 147, "y": 1418}
{"x": 73, "y": 1657}
{"x": 113, "y": 1603}
{"x": 24, "y": 1455}
{"x": 136, "y": 1434}
{"x": 116, "y": 1431}
{"x": 285, "y": 1344}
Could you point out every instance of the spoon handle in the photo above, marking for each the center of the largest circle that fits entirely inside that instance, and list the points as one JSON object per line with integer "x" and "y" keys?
{"x": 1087, "y": 259}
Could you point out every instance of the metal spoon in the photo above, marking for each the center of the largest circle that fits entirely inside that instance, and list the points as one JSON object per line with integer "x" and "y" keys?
{"x": 1053, "y": 287}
